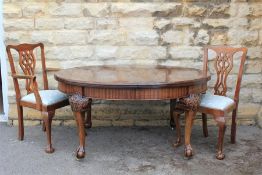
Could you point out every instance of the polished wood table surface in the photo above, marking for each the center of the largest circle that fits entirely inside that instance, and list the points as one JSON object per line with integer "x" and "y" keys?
{"x": 129, "y": 82}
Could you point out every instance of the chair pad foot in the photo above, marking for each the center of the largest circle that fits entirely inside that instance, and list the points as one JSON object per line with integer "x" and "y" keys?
{"x": 220, "y": 156}
{"x": 49, "y": 149}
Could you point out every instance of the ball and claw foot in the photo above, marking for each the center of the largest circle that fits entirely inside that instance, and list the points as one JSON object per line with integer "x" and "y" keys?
{"x": 220, "y": 155}
{"x": 49, "y": 149}
{"x": 188, "y": 151}
{"x": 80, "y": 153}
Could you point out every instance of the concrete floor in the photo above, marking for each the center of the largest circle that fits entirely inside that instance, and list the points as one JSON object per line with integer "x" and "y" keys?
{"x": 124, "y": 151}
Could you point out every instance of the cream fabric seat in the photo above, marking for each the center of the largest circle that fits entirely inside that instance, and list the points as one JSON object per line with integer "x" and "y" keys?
{"x": 216, "y": 102}
{"x": 49, "y": 97}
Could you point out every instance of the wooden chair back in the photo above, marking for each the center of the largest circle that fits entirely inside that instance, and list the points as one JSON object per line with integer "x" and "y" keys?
{"x": 223, "y": 63}
{"x": 27, "y": 62}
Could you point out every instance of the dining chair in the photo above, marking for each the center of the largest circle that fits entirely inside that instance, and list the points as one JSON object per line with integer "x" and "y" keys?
{"x": 46, "y": 101}
{"x": 218, "y": 104}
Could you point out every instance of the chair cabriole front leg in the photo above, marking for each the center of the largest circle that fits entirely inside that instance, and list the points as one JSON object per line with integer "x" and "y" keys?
{"x": 47, "y": 117}
{"x": 221, "y": 122}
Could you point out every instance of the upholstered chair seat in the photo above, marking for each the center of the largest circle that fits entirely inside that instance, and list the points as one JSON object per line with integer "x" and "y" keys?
{"x": 216, "y": 102}
{"x": 49, "y": 97}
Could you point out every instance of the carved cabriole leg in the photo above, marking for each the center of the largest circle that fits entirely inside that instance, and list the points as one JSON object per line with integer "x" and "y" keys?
{"x": 188, "y": 128}
{"x": 233, "y": 126}
{"x": 77, "y": 124}
{"x": 191, "y": 103}
{"x": 88, "y": 120}
{"x": 172, "y": 108}
{"x": 20, "y": 122}
{"x": 204, "y": 123}
{"x": 47, "y": 117}
{"x": 178, "y": 128}
{"x": 79, "y": 106}
{"x": 222, "y": 128}
{"x": 80, "y": 116}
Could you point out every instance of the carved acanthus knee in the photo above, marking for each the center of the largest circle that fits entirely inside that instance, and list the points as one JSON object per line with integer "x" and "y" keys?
{"x": 79, "y": 103}
{"x": 192, "y": 102}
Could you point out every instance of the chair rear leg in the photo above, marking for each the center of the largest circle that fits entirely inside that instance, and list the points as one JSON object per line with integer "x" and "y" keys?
{"x": 43, "y": 126}
{"x": 176, "y": 118}
{"x": 47, "y": 117}
{"x": 204, "y": 122}
{"x": 233, "y": 126}
{"x": 172, "y": 108}
{"x": 222, "y": 128}
{"x": 20, "y": 122}
{"x": 88, "y": 120}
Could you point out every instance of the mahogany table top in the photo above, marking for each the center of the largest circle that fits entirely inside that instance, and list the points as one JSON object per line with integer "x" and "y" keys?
{"x": 130, "y": 76}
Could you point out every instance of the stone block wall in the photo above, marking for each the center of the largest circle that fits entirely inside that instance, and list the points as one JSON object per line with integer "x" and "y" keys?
{"x": 158, "y": 32}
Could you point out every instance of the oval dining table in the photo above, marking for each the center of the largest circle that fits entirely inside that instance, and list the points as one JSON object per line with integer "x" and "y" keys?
{"x": 131, "y": 82}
